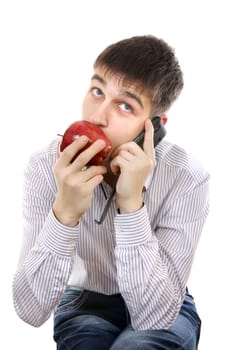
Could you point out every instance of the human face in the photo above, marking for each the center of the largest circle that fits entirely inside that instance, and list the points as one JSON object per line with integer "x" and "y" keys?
{"x": 119, "y": 109}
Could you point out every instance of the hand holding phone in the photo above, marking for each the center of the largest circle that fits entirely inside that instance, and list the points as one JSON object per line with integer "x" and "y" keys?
{"x": 159, "y": 132}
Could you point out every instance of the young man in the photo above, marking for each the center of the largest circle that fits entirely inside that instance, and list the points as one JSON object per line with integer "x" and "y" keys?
{"x": 121, "y": 284}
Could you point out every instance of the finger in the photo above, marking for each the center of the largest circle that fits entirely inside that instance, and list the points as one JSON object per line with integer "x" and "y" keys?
{"x": 118, "y": 164}
{"x": 127, "y": 155}
{"x": 130, "y": 147}
{"x": 95, "y": 181}
{"x": 148, "y": 144}
{"x": 70, "y": 151}
{"x": 84, "y": 157}
{"x": 93, "y": 171}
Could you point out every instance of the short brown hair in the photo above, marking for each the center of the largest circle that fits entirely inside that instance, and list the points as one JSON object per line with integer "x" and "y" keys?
{"x": 149, "y": 62}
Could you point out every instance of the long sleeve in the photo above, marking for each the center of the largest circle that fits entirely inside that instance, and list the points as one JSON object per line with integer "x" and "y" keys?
{"x": 47, "y": 250}
{"x": 154, "y": 256}
{"x": 146, "y": 256}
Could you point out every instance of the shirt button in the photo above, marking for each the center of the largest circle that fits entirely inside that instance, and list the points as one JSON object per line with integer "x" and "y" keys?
{"x": 118, "y": 230}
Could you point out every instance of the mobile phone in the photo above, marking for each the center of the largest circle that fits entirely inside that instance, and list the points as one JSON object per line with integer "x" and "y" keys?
{"x": 159, "y": 132}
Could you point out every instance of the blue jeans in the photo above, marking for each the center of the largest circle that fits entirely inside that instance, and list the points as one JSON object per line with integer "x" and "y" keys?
{"x": 87, "y": 320}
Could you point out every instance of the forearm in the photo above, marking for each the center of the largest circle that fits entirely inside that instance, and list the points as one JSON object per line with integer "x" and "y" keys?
{"x": 42, "y": 277}
{"x": 152, "y": 277}
{"x": 150, "y": 294}
{"x": 153, "y": 299}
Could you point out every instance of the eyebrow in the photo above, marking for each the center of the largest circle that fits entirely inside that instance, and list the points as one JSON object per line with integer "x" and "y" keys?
{"x": 123, "y": 93}
{"x": 98, "y": 77}
{"x": 134, "y": 96}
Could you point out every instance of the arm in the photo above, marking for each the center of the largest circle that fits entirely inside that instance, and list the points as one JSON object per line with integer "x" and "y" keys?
{"x": 154, "y": 253}
{"x": 51, "y": 213}
{"x": 46, "y": 254}
{"x": 153, "y": 267}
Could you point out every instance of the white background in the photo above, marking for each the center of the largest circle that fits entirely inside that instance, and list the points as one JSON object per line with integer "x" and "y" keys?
{"x": 47, "y": 51}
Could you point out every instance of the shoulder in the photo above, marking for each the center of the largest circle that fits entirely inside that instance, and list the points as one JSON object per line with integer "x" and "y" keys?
{"x": 47, "y": 153}
{"x": 176, "y": 162}
{"x": 42, "y": 160}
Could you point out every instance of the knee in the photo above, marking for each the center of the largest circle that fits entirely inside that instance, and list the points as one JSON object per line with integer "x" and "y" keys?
{"x": 131, "y": 341}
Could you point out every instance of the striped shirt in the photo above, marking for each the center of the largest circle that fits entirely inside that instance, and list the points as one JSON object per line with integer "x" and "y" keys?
{"x": 146, "y": 255}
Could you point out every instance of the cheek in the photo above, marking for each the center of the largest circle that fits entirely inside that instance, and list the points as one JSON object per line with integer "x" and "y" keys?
{"x": 86, "y": 109}
{"x": 119, "y": 134}
{"x": 84, "y": 112}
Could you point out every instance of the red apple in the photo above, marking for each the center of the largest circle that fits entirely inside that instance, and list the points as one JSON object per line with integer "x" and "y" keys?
{"x": 93, "y": 132}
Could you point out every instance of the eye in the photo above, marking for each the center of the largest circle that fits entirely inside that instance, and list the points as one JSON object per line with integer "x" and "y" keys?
{"x": 125, "y": 107}
{"x": 96, "y": 91}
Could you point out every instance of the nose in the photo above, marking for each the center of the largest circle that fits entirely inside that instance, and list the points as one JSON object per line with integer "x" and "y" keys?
{"x": 100, "y": 115}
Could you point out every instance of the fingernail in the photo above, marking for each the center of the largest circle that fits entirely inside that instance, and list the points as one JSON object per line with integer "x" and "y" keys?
{"x": 84, "y": 138}
{"x": 101, "y": 142}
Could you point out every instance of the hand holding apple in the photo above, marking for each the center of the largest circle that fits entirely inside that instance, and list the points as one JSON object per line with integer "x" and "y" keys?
{"x": 75, "y": 187}
{"x": 93, "y": 133}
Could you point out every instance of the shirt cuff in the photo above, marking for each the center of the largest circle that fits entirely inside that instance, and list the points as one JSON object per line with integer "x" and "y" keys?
{"x": 133, "y": 228}
{"x": 58, "y": 238}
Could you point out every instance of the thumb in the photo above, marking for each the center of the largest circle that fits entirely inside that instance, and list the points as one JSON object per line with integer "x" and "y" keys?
{"x": 148, "y": 144}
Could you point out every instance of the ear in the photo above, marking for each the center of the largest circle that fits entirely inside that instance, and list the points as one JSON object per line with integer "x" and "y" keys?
{"x": 164, "y": 119}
